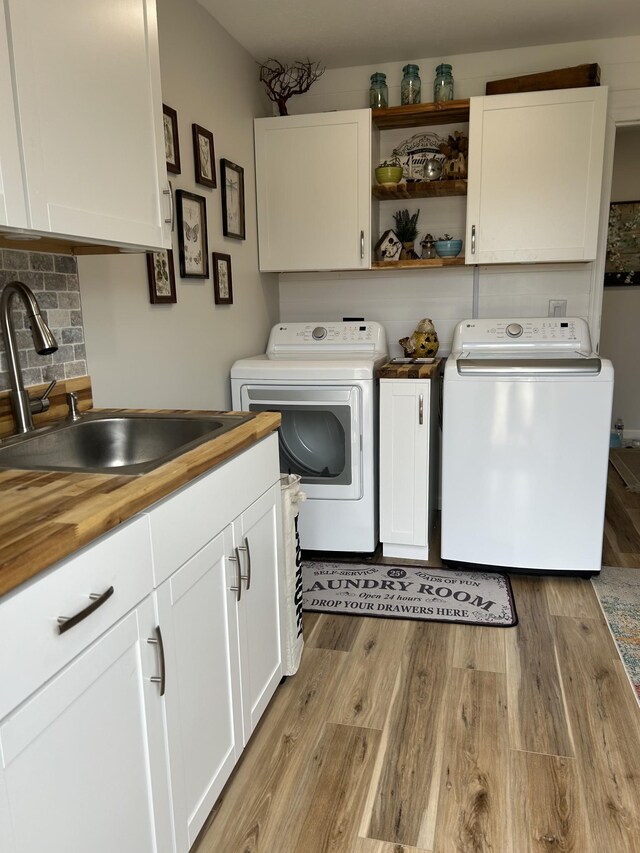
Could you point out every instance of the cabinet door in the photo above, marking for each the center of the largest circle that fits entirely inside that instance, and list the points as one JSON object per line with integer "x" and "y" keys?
{"x": 87, "y": 90}
{"x": 535, "y": 175}
{"x": 404, "y": 466}
{"x": 12, "y": 199}
{"x": 83, "y": 758}
{"x": 313, "y": 184}
{"x": 202, "y": 688}
{"x": 256, "y": 537}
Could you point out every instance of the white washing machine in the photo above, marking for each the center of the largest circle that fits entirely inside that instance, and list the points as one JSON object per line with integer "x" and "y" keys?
{"x": 526, "y": 422}
{"x": 321, "y": 378}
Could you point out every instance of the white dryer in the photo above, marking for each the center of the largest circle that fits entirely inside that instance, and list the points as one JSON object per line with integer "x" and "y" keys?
{"x": 526, "y": 421}
{"x": 321, "y": 378}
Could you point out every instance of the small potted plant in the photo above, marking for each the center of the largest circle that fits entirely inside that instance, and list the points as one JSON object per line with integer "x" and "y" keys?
{"x": 407, "y": 231}
{"x": 389, "y": 173}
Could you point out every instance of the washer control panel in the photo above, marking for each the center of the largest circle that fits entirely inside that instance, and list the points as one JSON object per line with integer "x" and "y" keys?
{"x": 547, "y": 333}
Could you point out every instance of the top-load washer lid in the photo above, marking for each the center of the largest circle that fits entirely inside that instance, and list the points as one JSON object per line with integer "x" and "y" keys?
{"x": 530, "y": 347}
{"x": 321, "y": 351}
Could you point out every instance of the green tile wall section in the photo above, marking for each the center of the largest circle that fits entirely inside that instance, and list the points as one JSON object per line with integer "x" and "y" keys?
{"x": 54, "y": 281}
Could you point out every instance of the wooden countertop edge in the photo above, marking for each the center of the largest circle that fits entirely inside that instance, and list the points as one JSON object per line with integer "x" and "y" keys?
{"x": 90, "y": 505}
{"x": 409, "y": 371}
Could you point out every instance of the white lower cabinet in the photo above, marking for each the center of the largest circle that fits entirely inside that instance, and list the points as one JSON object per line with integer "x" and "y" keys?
{"x": 219, "y": 615}
{"x": 82, "y": 759}
{"x": 409, "y": 463}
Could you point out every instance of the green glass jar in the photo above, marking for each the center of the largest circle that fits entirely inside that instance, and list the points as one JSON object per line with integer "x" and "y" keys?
{"x": 443, "y": 84}
{"x": 378, "y": 91}
{"x": 410, "y": 85}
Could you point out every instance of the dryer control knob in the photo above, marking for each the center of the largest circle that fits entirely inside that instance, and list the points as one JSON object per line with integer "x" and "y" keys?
{"x": 514, "y": 330}
{"x": 319, "y": 333}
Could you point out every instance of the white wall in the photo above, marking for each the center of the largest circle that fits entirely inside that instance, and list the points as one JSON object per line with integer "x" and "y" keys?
{"x": 620, "y": 339}
{"x": 179, "y": 356}
{"x": 400, "y": 300}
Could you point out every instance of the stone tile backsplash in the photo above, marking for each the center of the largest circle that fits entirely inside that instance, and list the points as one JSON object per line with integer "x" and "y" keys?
{"x": 54, "y": 281}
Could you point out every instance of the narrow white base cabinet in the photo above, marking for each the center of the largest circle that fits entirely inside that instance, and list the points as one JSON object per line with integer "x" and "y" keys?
{"x": 123, "y": 710}
{"x": 409, "y": 441}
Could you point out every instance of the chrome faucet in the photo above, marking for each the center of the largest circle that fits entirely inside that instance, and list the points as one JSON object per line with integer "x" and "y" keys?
{"x": 44, "y": 343}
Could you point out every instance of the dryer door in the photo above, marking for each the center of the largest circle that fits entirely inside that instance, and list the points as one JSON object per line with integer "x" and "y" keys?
{"x": 320, "y": 436}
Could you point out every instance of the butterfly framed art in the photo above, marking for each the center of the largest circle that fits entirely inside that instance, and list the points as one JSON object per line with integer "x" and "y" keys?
{"x": 192, "y": 235}
{"x": 232, "y": 180}
{"x": 162, "y": 281}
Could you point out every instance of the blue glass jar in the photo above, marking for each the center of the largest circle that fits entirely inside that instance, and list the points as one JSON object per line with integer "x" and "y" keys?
{"x": 410, "y": 85}
{"x": 443, "y": 84}
{"x": 378, "y": 91}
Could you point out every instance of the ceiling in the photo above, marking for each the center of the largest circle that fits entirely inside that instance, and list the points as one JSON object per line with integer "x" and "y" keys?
{"x": 341, "y": 33}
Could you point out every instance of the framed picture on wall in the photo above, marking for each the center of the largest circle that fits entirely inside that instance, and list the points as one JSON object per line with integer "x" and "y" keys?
{"x": 232, "y": 179}
{"x": 623, "y": 244}
{"x": 162, "y": 280}
{"x": 192, "y": 235}
{"x": 171, "y": 141}
{"x": 204, "y": 157}
{"x": 222, "y": 289}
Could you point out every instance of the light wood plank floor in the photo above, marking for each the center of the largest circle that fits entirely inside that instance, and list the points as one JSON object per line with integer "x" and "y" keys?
{"x": 419, "y": 737}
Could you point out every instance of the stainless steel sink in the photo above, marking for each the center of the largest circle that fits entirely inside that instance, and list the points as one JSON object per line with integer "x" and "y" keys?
{"x": 114, "y": 444}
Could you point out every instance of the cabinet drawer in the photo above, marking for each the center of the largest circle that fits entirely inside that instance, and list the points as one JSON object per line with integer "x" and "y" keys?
{"x": 32, "y": 649}
{"x": 183, "y": 524}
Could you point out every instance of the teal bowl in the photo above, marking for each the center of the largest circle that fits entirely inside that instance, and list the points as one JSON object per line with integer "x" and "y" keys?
{"x": 448, "y": 248}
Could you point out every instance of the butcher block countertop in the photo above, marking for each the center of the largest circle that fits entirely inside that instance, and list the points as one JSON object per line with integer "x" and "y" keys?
{"x": 46, "y": 516}
{"x": 409, "y": 370}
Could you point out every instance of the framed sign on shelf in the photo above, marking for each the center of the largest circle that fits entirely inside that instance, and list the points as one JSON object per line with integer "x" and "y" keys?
{"x": 192, "y": 235}
{"x": 232, "y": 179}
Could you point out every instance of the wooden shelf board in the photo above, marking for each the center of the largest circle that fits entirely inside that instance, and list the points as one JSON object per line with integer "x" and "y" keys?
{"x": 420, "y": 189}
{"x": 406, "y": 265}
{"x": 421, "y": 115}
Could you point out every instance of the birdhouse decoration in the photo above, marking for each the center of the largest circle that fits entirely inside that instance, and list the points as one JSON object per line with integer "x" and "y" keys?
{"x": 388, "y": 247}
{"x": 423, "y": 343}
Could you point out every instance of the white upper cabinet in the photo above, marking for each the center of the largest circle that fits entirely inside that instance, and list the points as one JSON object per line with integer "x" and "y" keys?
{"x": 535, "y": 175}
{"x": 12, "y": 201}
{"x": 313, "y": 183}
{"x": 85, "y": 82}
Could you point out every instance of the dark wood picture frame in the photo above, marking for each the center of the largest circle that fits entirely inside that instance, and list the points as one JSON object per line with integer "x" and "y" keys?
{"x": 162, "y": 279}
{"x": 204, "y": 156}
{"x": 623, "y": 245}
{"x": 233, "y": 218}
{"x": 192, "y": 235}
{"x": 222, "y": 285}
{"x": 171, "y": 139}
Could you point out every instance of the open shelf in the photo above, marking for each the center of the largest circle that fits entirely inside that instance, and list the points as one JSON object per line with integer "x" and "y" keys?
{"x": 421, "y": 115}
{"x": 420, "y": 189}
{"x": 407, "y": 265}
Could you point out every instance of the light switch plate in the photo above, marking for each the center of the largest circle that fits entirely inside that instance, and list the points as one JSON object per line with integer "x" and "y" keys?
{"x": 557, "y": 308}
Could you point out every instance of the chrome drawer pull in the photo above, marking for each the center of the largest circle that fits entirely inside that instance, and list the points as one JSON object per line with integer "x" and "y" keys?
{"x": 237, "y": 589}
{"x": 421, "y": 409}
{"x": 159, "y": 679}
{"x": 246, "y": 577}
{"x": 65, "y": 623}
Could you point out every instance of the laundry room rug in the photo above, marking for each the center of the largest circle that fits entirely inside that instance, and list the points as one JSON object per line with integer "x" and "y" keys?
{"x": 626, "y": 461}
{"x": 408, "y": 592}
{"x": 618, "y": 591}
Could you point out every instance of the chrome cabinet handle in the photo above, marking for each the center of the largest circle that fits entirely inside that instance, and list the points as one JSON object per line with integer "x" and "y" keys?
{"x": 473, "y": 239}
{"x": 246, "y": 577}
{"x": 362, "y": 245}
{"x": 421, "y": 409}
{"x": 169, "y": 192}
{"x": 162, "y": 678}
{"x": 65, "y": 623}
{"x": 237, "y": 589}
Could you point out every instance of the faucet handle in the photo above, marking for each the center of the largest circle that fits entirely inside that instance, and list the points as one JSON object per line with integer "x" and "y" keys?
{"x": 41, "y": 404}
{"x": 72, "y": 402}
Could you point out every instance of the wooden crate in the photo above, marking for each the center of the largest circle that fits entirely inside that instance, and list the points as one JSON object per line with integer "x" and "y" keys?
{"x": 562, "y": 78}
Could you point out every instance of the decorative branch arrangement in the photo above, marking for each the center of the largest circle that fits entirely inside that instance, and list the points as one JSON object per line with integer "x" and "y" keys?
{"x": 284, "y": 80}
